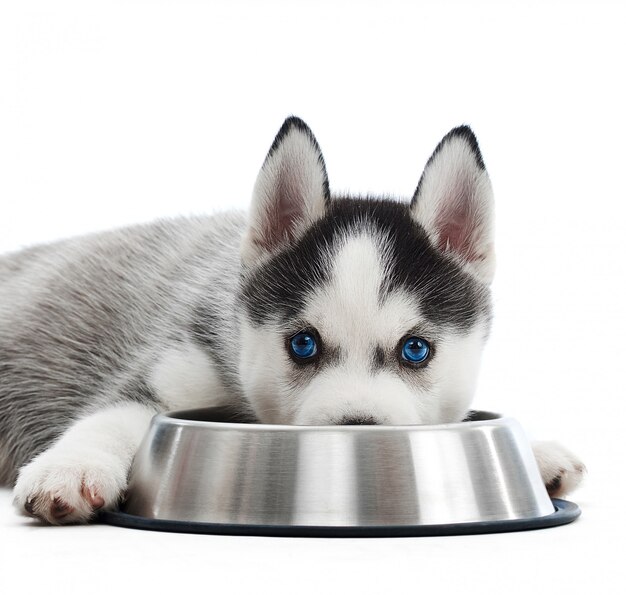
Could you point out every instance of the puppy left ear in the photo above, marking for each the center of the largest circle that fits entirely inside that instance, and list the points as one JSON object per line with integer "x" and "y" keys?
{"x": 454, "y": 203}
{"x": 291, "y": 192}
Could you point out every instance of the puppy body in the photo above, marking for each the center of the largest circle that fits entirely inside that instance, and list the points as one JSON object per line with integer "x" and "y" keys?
{"x": 99, "y": 333}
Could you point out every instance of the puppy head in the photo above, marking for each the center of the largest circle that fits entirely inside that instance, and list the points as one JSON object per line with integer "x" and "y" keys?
{"x": 365, "y": 310}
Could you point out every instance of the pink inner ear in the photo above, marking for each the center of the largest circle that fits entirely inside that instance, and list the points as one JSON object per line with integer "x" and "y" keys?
{"x": 283, "y": 219}
{"x": 454, "y": 237}
{"x": 457, "y": 225}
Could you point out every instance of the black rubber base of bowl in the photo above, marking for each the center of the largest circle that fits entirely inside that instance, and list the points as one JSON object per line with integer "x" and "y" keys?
{"x": 564, "y": 512}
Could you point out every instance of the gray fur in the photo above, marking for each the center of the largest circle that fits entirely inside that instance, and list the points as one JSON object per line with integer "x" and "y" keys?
{"x": 82, "y": 320}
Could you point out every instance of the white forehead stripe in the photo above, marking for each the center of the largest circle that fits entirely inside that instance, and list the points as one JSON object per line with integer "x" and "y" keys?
{"x": 348, "y": 310}
{"x": 358, "y": 272}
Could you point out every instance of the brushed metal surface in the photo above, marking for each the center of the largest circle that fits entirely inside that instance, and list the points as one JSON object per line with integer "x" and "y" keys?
{"x": 197, "y": 466}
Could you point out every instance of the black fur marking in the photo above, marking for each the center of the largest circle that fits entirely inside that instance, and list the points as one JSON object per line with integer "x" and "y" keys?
{"x": 473, "y": 415}
{"x": 288, "y": 125}
{"x": 379, "y": 358}
{"x": 464, "y": 132}
{"x": 357, "y": 420}
{"x": 277, "y": 290}
{"x": 280, "y": 286}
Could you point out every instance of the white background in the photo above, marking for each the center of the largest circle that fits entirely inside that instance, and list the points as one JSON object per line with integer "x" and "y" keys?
{"x": 118, "y": 112}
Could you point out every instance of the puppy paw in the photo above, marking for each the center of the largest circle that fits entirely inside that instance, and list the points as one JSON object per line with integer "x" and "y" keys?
{"x": 61, "y": 488}
{"x": 561, "y": 471}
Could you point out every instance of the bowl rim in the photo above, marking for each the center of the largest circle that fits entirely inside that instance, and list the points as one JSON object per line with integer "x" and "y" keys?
{"x": 474, "y": 419}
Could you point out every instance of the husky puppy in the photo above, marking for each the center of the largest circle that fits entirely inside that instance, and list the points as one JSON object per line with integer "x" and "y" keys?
{"x": 312, "y": 309}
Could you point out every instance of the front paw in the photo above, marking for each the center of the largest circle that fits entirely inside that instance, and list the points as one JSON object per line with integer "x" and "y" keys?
{"x": 62, "y": 488}
{"x": 561, "y": 471}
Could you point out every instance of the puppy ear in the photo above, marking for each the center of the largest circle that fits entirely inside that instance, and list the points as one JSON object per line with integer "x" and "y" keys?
{"x": 291, "y": 192}
{"x": 454, "y": 203}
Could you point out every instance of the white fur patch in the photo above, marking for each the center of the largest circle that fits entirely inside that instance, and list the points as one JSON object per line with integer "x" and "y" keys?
{"x": 264, "y": 370}
{"x": 86, "y": 468}
{"x": 351, "y": 389}
{"x": 344, "y": 392}
{"x": 184, "y": 378}
{"x": 454, "y": 372}
{"x": 561, "y": 470}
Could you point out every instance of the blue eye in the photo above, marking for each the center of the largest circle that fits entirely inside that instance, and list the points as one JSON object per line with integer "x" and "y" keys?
{"x": 303, "y": 345}
{"x": 415, "y": 350}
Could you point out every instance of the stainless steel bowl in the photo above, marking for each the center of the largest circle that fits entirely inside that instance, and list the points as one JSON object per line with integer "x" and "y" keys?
{"x": 199, "y": 468}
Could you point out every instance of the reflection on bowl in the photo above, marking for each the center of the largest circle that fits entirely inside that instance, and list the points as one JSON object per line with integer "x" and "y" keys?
{"x": 202, "y": 467}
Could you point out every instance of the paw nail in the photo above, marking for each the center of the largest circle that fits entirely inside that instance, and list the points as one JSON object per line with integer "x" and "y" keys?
{"x": 92, "y": 497}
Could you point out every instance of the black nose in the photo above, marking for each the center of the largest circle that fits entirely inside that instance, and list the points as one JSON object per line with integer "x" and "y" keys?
{"x": 358, "y": 420}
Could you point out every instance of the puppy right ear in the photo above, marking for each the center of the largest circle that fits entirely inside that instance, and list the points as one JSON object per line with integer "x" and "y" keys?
{"x": 291, "y": 193}
{"x": 454, "y": 203}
